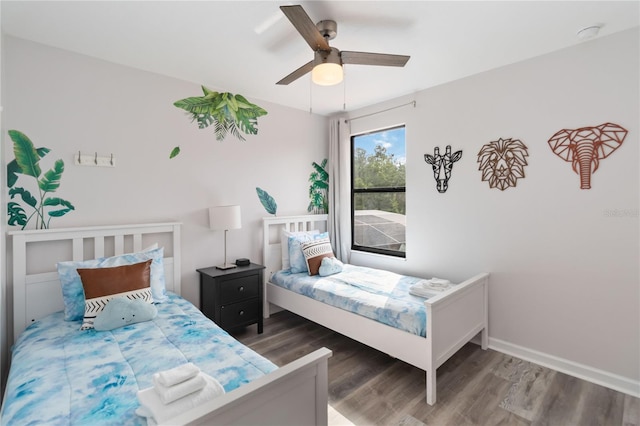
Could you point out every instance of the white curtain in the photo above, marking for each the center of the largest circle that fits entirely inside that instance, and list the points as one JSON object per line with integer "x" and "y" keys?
{"x": 339, "y": 223}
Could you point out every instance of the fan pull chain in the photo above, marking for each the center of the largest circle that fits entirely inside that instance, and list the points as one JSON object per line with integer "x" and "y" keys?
{"x": 310, "y": 96}
{"x": 344, "y": 88}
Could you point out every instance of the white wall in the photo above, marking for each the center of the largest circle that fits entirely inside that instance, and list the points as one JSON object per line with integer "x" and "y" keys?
{"x": 564, "y": 272}
{"x": 563, "y": 261}
{"x": 70, "y": 103}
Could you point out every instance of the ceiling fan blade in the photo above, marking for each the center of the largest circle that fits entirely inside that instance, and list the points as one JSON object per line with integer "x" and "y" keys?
{"x": 365, "y": 58}
{"x": 305, "y": 27}
{"x": 297, "y": 73}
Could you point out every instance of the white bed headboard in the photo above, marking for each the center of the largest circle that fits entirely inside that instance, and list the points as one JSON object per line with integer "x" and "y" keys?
{"x": 272, "y": 249}
{"x": 36, "y": 287}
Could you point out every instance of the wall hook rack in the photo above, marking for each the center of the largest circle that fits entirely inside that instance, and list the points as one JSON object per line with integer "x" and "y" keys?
{"x": 94, "y": 160}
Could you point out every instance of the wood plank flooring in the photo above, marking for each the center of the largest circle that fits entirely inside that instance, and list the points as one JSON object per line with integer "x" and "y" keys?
{"x": 474, "y": 387}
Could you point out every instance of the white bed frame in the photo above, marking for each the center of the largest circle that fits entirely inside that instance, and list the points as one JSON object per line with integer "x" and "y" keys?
{"x": 294, "y": 394}
{"x": 453, "y": 318}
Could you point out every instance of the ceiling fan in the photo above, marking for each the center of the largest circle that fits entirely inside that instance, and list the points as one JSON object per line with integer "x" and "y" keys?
{"x": 326, "y": 66}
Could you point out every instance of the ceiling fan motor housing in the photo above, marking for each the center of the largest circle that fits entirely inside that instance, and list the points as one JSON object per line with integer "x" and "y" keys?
{"x": 328, "y": 29}
{"x": 327, "y": 57}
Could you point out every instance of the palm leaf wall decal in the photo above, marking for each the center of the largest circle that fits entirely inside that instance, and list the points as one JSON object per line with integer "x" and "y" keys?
{"x": 319, "y": 179}
{"x": 51, "y": 179}
{"x": 267, "y": 201}
{"x": 13, "y": 169}
{"x": 26, "y": 164}
{"x": 27, "y": 157}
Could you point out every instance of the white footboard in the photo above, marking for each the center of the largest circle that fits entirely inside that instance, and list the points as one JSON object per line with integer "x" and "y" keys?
{"x": 453, "y": 319}
{"x": 295, "y": 394}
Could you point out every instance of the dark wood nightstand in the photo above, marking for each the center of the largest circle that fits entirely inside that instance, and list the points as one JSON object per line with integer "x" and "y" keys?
{"x": 232, "y": 298}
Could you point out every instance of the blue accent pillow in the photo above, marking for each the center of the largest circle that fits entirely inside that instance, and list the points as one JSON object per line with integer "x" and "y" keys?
{"x": 296, "y": 257}
{"x": 73, "y": 292}
{"x": 121, "y": 311}
{"x": 329, "y": 266}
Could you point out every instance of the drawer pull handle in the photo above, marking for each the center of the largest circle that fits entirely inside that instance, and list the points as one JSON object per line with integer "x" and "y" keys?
{"x": 241, "y": 313}
{"x": 241, "y": 288}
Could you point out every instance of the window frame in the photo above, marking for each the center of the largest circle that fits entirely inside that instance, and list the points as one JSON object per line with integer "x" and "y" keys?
{"x": 354, "y": 191}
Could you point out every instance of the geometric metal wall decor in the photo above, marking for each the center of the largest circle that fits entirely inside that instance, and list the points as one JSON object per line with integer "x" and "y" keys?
{"x": 586, "y": 146}
{"x": 442, "y": 166}
{"x": 502, "y": 162}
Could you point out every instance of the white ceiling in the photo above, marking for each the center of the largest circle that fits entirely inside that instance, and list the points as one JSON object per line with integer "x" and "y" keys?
{"x": 246, "y": 46}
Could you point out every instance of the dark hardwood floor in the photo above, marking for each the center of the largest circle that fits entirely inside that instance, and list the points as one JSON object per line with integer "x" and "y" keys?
{"x": 474, "y": 387}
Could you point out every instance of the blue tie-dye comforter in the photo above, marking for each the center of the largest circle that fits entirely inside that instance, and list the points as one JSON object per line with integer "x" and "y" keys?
{"x": 373, "y": 293}
{"x": 63, "y": 376}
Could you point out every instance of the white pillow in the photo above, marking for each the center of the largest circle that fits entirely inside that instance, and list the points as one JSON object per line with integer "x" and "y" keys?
{"x": 284, "y": 243}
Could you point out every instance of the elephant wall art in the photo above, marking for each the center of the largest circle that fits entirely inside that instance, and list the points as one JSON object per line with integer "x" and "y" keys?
{"x": 442, "y": 165}
{"x": 502, "y": 162}
{"x": 586, "y": 146}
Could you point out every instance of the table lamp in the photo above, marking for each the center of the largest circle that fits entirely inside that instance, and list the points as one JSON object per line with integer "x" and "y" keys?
{"x": 224, "y": 218}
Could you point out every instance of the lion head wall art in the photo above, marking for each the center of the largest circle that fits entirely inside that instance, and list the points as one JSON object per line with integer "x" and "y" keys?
{"x": 502, "y": 162}
{"x": 586, "y": 146}
{"x": 442, "y": 165}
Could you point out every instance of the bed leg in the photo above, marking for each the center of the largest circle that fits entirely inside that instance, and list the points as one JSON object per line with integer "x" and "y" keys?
{"x": 484, "y": 338}
{"x": 431, "y": 387}
{"x": 484, "y": 335}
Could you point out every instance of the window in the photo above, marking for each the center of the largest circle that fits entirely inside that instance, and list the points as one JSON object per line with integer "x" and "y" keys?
{"x": 378, "y": 179}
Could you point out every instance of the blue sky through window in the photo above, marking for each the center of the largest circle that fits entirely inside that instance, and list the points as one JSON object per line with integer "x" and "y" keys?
{"x": 392, "y": 139}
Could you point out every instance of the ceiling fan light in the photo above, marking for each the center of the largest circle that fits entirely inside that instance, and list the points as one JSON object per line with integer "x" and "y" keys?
{"x": 327, "y": 74}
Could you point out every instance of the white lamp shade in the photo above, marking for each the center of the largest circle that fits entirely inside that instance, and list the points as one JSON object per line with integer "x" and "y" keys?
{"x": 222, "y": 218}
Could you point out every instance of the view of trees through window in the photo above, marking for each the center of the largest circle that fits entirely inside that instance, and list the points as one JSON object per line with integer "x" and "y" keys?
{"x": 378, "y": 191}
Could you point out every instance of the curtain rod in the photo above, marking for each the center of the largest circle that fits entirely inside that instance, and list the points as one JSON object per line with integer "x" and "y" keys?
{"x": 379, "y": 112}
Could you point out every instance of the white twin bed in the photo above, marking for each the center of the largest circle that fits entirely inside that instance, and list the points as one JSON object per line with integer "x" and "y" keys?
{"x": 451, "y": 318}
{"x": 63, "y": 375}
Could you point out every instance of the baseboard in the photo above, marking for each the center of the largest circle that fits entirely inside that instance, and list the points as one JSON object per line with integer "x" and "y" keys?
{"x": 581, "y": 371}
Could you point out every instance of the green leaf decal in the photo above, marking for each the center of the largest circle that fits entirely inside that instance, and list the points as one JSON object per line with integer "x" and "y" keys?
{"x": 174, "y": 152}
{"x": 228, "y": 113}
{"x": 51, "y": 180}
{"x": 25, "y": 195}
{"x": 12, "y": 173}
{"x": 58, "y": 202}
{"x": 26, "y": 164}
{"x": 318, "y": 189}
{"x": 267, "y": 201}
{"x": 16, "y": 214}
{"x": 13, "y": 168}
{"x": 26, "y": 155}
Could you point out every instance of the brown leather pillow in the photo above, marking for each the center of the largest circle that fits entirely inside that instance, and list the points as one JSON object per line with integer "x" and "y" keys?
{"x": 102, "y": 284}
{"x": 314, "y": 252}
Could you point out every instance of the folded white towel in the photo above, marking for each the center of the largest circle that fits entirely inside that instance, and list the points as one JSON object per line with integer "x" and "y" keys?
{"x": 435, "y": 284}
{"x": 420, "y": 291}
{"x": 152, "y": 404}
{"x": 176, "y": 375}
{"x": 170, "y": 393}
{"x": 438, "y": 282}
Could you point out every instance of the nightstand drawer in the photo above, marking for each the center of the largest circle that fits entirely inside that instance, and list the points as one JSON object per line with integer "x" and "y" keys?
{"x": 237, "y": 314}
{"x": 241, "y": 288}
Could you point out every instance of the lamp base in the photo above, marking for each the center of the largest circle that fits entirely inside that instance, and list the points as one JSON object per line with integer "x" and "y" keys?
{"x": 226, "y": 266}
